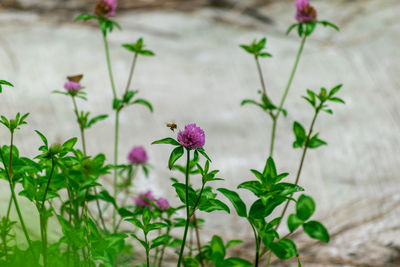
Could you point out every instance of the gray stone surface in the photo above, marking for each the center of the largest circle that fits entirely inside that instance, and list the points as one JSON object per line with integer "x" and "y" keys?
{"x": 200, "y": 75}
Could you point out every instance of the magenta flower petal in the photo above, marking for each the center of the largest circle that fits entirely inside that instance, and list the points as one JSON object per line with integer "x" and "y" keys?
{"x": 72, "y": 86}
{"x": 192, "y": 137}
{"x": 145, "y": 199}
{"x": 138, "y": 155}
{"x": 162, "y": 203}
{"x": 304, "y": 11}
{"x": 106, "y": 8}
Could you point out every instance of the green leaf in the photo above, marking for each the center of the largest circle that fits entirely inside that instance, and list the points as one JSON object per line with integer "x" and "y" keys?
{"x": 167, "y": 140}
{"x": 84, "y": 17}
{"x": 5, "y": 83}
{"x": 95, "y": 120}
{"x": 310, "y": 26}
{"x": 156, "y": 226}
{"x": 176, "y": 154}
{"x": 135, "y": 222}
{"x": 236, "y": 201}
{"x": 181, "y": 192}
{"x": 42, "y": 137}
{"x": 334, "y": 90}
{"x": 329, "y": 24}
{"x": 212, "y": 205}
{"x": 315, "y": 142}
{"x": 69, "y": 144}
{"x": 144, "y": 102}
{"x": 232, "y": 243}
{"x": 284, "y": 249}
{"x": 236, "y": 262}
{"x": 305, "y": 207}
{"x": 217, "y": 249}
{"x": 291, "y": 27}
{"x": 294, "y": 222}
{"x": 202, "y": 152}
{"x": 258, "y": 210}
{"x": 253, "y": 102}
{"x": 337, "y": 100}
{"x": 146, "y": 217}
{"x": 316, "y": 230}
{"x": 253, "y": 186}
{"x": 300, "y": 135}
{"x": 160, "y": 240}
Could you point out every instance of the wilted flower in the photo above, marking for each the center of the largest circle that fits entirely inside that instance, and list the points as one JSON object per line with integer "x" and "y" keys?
{"x": 145, "y": 199}
{"x": 192, "y": 137}
{"x": 305, "y": 12}
{"x": 138, "y": 155}
{"x": 162, "y": 203}
{"x": 106, "y": 8}
{"x": 72, "y": 87}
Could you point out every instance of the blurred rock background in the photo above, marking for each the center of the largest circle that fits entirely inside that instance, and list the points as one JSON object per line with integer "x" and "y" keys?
{"x": 200, "y": 75}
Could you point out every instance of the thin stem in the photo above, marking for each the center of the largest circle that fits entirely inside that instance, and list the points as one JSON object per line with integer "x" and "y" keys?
{"x": 187, "y": 209}
{"x": 196, "y": 227}
{"x": 289, "y": 83}
{"x": 163, "y": 247}
{"x": 43, "y": 218}
{"x": 147, "y": 251}
{"x": 261, "y": 76}
{"x": 14, "y": 197}
{"x": 128, "y": 84}
{"x": 109, "y": 66}
{"x": 256, "y": 238}
{"x": 81, "y": 128}
{"x": 303, "y": 156}
{"x": 116, "y": 134}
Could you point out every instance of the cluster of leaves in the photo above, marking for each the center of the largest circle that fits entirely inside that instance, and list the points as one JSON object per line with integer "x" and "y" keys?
{"x": 305, "y": 29}
{"x": 107, "y": 25}
{"x": 128, "y": 99}
{"x": 318, "y": 102}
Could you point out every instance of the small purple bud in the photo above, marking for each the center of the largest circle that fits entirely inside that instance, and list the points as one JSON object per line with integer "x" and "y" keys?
{"x": 138, "y": 155}
{"x": 105, "y": 8}
{"x": 162, "y": 203}
{"x": 192, "y": 137}
{"x": 72, "y": 87}
{"x": 145, "y": 199}
{"x": 305, "y": 12}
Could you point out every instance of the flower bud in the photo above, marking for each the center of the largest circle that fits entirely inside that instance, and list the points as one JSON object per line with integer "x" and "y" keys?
{"x": 305, "y": 12}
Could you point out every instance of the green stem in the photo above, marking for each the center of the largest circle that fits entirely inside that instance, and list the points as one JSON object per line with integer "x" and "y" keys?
{"x": 81, "y": 127}
{"x": 128, "y": 84}
{"x": 14, "y": 197}
{"x": 289, "y": 83}
{"x": 196, "y": 227}
{"x": 303, "y": 156}
{"x": 260, "y": 74}
{"x": 109, "y": 66}
{"x": 187, "y": 209}
{"x": 43, "y": 216}
{"x": 256, "y": 238}
{"x": 147, "y": 251}
{"x": 115, "y": 164}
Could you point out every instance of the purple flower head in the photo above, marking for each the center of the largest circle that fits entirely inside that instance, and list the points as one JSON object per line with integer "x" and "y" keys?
{"x": 162, "y": 203}
{"x": 138, "y": 155}
{"x": 72, "y": 87}
{"x": 106, "y": 8}
{"x": 192, "y": 137}
{"x": 145, "y": 199}
{"x": 305, "y": 12}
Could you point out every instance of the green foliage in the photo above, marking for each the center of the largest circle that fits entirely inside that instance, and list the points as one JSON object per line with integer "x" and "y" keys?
{"x": 256, "y": 48}
{"x": 3, "y": 82}
{"x": 305, "y": 29}
{"x": 138, "y": 48}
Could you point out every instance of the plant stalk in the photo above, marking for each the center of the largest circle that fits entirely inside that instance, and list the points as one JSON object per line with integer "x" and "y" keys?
{"x": 187, "y": 209}
{"x": 288, "y": 85}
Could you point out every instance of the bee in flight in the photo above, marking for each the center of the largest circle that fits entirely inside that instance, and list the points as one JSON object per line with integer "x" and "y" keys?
{"x": 75, "y": 78}
{"x": 172, "y": 125}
